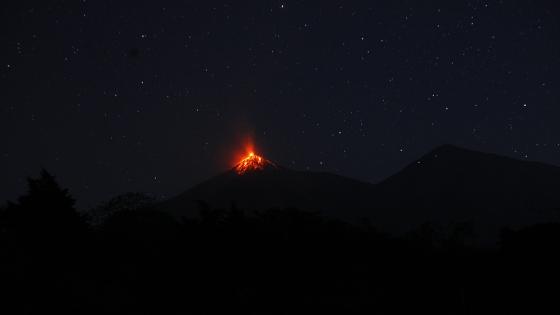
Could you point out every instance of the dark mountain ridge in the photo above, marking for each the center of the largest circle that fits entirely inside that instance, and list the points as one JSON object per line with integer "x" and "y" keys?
{"x": 452, "y": 184}
{"x": 448, "y": 185}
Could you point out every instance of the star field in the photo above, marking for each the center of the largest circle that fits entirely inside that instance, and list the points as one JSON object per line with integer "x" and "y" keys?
{"x": 117, "y": 96}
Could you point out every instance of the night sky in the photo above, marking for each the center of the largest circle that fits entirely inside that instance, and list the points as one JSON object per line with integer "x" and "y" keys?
{"x": 118, "y": 96}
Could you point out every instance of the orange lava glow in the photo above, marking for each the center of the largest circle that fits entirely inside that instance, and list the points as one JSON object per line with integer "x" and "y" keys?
{"x": 251, "y": 162}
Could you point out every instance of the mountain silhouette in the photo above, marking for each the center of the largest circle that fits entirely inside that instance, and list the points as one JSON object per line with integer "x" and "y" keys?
{"x": 276, "y": 187}
{"x": 452, "y": 184}
{"x": 447, "y": 186}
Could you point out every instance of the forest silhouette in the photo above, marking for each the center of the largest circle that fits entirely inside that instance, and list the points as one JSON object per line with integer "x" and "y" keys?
{"x": 127, "y": 257}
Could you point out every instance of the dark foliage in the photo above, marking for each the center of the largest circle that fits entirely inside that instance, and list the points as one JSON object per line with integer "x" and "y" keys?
{"x": 44, "y": 243}
{"x": 284, "y": 261}
{"x": 126, "y": 202}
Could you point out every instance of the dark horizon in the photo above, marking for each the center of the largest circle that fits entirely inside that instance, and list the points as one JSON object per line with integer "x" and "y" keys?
{"x": 81, "y": 204}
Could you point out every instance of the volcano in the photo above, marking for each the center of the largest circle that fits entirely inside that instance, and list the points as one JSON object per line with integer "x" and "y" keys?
{"x": 256, "y": 183}
{"x": 448, "y": 185}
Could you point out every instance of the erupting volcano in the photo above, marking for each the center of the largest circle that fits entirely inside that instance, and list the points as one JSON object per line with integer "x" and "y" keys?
{"x": 253, "y": 162}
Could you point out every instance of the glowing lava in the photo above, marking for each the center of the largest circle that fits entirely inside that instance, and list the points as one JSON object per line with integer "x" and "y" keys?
{"x": 252, "y": 162}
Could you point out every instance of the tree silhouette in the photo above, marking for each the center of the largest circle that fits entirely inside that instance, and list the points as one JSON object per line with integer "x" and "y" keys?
{"x": 46, "y": 243}
{"x": 46, "y": 212}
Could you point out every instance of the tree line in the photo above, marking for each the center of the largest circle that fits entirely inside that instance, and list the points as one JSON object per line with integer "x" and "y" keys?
{"x": 127, "y": 257}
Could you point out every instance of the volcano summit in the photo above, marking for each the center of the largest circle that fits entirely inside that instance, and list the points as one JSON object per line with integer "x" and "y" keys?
{"x": 253, "y": 162}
